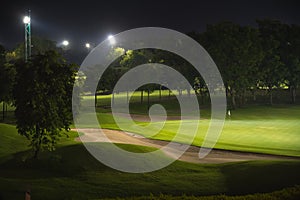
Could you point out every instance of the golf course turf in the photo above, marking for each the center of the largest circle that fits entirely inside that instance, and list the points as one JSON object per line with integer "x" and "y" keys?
{"x": 70, "y": 172}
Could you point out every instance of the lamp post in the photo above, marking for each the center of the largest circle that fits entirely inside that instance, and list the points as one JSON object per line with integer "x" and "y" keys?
{"x": 26, "y": 21}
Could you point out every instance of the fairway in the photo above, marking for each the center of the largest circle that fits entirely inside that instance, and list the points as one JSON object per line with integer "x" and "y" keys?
{"x": 259, "y": 129}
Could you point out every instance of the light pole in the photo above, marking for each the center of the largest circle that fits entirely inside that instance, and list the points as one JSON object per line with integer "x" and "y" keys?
{"x": 26, "y": 21}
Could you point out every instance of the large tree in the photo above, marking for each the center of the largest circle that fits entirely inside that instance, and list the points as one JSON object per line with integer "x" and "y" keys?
{"x": 290, "y": 56}
{"x": 272, "y": 68}
{"x": 43, "y": 95}
{"x": 237, "y": 53}
{"x": 7, "y": 76}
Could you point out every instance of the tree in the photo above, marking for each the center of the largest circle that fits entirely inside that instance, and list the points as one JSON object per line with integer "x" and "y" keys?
{"x": 43, "y": 99}
{"x": 290, "y": 56}
{"x": 237, "y": 53}
{"x": 7, "y": 76}
{"x": 134, "y": 58}
{"x": 39, "y": 46}
{"x": 3, "y": 85}
{"x": 272, "y": 69}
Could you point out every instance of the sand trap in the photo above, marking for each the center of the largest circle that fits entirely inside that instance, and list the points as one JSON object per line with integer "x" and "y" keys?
{"x": 191, "y": 155}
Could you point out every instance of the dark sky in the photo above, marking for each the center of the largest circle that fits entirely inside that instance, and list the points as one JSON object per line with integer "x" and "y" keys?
{"x": 92, "y": 21}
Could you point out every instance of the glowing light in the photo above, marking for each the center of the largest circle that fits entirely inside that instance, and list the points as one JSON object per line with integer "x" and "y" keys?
{"x": 111, "y": 39}
{"x": 26, "y": 20}
{"x": 65, "y": 43}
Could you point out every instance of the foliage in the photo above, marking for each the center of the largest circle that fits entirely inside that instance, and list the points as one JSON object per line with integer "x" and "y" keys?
{"x": 237, "y": 53}
{"x": 43, "y": 99}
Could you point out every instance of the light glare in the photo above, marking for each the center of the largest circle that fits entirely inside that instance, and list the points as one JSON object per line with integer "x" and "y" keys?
{"x": 65, "y": 42}
{"x": 26, "y": 20}
{"x": 111, "y": 39}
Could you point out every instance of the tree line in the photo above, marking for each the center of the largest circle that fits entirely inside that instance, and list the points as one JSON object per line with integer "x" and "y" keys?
{"x": 250, "y": 59}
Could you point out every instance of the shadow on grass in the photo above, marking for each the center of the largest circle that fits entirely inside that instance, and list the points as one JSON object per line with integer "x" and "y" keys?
{"x": 71, "y": 172}
{"x": 260, "y": 176}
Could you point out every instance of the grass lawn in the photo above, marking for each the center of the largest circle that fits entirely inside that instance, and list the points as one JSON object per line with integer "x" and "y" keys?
{"x": 72, "y": 173}
{"x": 261, "y": 129}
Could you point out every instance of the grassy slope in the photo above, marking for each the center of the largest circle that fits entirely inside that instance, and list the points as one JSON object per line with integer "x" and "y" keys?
{"x": 11, "y": 143}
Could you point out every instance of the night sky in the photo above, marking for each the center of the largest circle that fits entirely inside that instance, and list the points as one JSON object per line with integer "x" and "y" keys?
{"x": 93, "y": 21}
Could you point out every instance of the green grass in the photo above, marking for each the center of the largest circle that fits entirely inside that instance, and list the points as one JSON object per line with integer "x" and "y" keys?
{"x": 71, "y": 172}
{"x": 11, "y": 143}
{"x": 260, "y": 129}
{"x": 291, "y": 193}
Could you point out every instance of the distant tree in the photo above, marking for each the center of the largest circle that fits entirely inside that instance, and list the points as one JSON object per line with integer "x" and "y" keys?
{"x": 290, "y": 56}
{"x": 3, "y": 77}
{"x": 39, "y": 46}
{"x": 43, "y": 99}
{"x": 237, "y": 53}
{"x": 272, "y": 68}
{"x": 110, "y": 76}
{"x": 134, "y": 58}
{"x": 7, "y": 77}
{"x": 200, "y": 88}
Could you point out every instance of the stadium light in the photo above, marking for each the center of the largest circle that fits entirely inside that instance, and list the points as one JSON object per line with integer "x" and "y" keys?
{"x": 111, "y": 39}
{"x": 65, "y": 43}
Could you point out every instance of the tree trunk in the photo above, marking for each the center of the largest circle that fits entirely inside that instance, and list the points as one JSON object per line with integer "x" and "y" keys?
{"x": 38, "y": 146}
{"x": 227, "y": 93}
{"x": 127, "y": 96}
{"x": 96, "y": 99}
{"x": 244, "y": 100}
{"x": 36, "y": 153}
{"x": 254, "y": 95}
{"x": 202, "y": 97}
{"x": 113, "y": 98}
{"x": 3, "y": 110}
{"x": 271, "y": 97}
{"x": 142, "y": 95}
{"x": 189, "y": 92}
{"x": 233, "y": 101}
{"x": 160, "y": 93}
{"x": 293, "y": 93}
{"x": 148, "y": 99}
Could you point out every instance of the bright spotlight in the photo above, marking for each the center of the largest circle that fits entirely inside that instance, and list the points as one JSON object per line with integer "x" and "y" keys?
{"x": 26, "y": 20}
{"x": 65, "y": 42}
{"x": 111, "y": 39}
{"x": 87, "y": 45}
